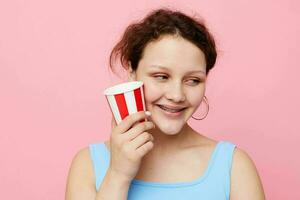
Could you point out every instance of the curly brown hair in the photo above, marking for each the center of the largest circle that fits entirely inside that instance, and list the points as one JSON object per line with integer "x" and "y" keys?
{"x": 157, "y": 23}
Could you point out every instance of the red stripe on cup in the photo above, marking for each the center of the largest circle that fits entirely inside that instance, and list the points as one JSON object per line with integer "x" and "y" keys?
{"x": 138, "y": 99}
{"x": 121, "y": 103}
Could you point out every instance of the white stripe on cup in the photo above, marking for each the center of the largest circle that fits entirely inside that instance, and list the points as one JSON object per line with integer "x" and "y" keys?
{"x": 130, "y": 102}
{"x": 114, "y": 108}
{"x": 143, "y": 100}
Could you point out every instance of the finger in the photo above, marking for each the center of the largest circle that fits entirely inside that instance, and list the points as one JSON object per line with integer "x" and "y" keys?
{"x": 145, "y": 148}
{"x": 129, "y": 121}
{"x": 141, "y": 139}
{"x": 138, "y": 129}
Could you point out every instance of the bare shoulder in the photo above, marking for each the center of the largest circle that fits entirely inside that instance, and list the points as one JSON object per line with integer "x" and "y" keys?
{"x": 245, "y": 180}
{"x": 80, "y": 181}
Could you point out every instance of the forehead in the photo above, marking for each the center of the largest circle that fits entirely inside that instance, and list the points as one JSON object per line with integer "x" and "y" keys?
{"x": 173, "y": 52}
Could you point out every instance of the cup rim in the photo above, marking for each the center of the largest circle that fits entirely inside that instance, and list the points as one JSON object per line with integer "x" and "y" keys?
{"x": 123, "y": 87}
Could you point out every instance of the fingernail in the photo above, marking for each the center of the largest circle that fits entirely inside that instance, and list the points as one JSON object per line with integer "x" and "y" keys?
{"x": 148, "y": 113}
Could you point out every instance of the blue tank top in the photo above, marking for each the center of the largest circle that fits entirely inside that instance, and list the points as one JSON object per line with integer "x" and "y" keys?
{"x": 214, "y": 184}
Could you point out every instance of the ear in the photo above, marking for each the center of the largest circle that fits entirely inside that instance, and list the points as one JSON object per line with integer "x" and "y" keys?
{"x": 131, "y": 75}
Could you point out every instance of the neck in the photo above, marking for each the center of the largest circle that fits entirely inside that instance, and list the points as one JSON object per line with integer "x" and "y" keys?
{"x": 166, "y": 144}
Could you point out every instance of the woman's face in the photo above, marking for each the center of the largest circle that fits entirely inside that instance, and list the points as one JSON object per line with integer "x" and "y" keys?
{"x": 174, "y": 73}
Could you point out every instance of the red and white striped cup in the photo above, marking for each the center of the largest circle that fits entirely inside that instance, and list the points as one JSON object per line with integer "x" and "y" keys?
{"x": 125, "y": 99}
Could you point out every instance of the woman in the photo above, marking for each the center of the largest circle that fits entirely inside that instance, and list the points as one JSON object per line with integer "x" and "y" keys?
{"x": 163, "y": 157}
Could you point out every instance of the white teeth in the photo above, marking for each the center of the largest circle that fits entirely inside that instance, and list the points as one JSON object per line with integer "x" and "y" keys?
{"x": 169, "y": 110}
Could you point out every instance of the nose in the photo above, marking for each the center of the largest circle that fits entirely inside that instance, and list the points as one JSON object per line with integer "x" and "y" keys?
{"x": 175, "y": 93}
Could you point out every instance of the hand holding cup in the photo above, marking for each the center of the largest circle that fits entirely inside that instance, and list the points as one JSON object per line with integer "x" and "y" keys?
{"x": 129, "y": 141}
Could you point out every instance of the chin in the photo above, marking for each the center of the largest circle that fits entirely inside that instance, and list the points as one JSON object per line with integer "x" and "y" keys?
{"x": 169, "y": 129}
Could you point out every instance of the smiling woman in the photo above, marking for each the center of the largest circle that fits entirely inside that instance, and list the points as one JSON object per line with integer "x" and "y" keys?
{"x": 172, "y": 86}
{"x": 163, "y": 157}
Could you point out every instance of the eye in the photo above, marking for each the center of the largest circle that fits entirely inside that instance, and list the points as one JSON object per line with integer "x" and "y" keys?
{"x": 195, "y": 80}
{"x": 160, "y": 77}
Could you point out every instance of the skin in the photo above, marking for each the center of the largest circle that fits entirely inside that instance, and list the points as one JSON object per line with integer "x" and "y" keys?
{"x": 174, "y": 140}
{"x": 174, "y": 73}
{"x": 176, "y": 84}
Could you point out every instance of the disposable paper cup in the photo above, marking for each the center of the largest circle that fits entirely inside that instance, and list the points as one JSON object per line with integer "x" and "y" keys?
{"x": 125, "y": 99}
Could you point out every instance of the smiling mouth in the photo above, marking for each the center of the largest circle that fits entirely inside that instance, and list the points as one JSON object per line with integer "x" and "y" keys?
{"x": 170, "y": 110}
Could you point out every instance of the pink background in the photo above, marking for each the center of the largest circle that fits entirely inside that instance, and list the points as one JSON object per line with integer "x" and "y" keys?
{"x": 53, "y": 69}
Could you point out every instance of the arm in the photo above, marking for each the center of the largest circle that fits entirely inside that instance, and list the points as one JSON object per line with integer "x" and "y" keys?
{"x": 245, "y": 180}
{"x": 81, "y": 182}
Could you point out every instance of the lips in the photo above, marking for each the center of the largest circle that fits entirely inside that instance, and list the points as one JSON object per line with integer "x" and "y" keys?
{"x": 171, "y": 109}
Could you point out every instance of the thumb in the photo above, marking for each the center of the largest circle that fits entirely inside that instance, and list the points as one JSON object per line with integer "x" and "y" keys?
{"x": 113, "y": 123}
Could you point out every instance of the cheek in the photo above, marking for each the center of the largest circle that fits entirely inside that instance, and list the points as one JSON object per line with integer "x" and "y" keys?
{"x": 151, "y": 92}
{"x": 196, "y": 101}
{"x": 195, "y": 98}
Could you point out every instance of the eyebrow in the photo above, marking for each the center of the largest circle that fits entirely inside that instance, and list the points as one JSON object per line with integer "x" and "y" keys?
{"x": 167, "y": 69}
